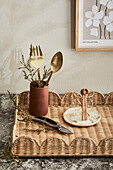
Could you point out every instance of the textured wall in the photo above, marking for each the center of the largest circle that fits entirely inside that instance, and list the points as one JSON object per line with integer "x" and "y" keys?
{"x": 48, "y": 23}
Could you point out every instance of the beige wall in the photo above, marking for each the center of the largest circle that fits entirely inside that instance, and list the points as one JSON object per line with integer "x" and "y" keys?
{"x": 48, "y": 23}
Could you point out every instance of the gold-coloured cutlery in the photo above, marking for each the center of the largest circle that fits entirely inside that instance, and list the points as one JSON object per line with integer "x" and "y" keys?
{"x": 36, "y": 59}
{"x": 56, "y": 64}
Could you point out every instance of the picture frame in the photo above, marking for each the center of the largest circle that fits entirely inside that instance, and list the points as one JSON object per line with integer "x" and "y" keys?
{"x": 93, "y": 25}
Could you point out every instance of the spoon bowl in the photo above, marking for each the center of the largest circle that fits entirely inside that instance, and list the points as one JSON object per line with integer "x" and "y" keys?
{"x": 56, "y": 64}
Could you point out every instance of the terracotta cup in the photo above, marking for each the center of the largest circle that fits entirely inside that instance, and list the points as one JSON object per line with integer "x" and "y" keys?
{"x": 38, "y": 105}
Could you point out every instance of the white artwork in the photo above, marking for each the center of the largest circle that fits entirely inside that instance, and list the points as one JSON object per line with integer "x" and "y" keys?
{"x": 98, "y": 14}
{"x": 94, "y": 24}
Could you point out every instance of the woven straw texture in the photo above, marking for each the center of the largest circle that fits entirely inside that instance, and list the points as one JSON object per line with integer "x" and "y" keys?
{"x": 91, "y": 141}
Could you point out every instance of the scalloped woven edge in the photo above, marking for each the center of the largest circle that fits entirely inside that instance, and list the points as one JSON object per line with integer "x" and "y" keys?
{"x": 96, "y": 148}
{"x": 99, "y": 146}
{"x": 61, "y": 99}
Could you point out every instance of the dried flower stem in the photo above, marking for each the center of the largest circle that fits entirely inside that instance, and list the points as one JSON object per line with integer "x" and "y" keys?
{"x": 26, "y": 117}
{"x": 41, "y": 128}
{"x": 10, "y": 158}
{"x": 30, "y": 73}
{"x": 29, "y": 76}
{"x": 46, "y": 73}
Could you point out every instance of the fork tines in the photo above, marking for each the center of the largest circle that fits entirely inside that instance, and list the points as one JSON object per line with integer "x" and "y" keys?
{"x": 41, "y": 54}
{"x": 38, "y": 51}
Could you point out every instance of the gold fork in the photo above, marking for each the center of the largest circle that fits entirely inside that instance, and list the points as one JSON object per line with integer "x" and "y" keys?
{"x": 36, "y": 59}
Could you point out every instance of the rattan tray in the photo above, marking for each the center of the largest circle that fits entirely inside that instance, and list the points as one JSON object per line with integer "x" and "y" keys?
{"x": 91, "y": 141}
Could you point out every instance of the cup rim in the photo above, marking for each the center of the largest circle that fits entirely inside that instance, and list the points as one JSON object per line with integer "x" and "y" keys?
{"x": 38, "y": 87}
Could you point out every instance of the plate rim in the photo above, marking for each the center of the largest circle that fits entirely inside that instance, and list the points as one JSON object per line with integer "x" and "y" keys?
{"x": 87, "y": 125}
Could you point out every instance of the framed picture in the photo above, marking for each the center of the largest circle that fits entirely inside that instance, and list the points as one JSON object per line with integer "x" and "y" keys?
{"x": 94, "y": 25}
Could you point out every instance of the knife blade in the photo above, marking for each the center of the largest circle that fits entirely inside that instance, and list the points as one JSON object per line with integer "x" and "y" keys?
{"x": 51, "y": 123}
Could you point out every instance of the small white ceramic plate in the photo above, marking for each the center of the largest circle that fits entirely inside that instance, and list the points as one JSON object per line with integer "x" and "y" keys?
{"x": 73, "y": 116}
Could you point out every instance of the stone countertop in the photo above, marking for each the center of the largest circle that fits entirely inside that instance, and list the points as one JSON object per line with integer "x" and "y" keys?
{"x": 6, "y": 124}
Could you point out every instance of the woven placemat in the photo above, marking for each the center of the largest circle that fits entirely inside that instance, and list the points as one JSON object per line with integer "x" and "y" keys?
{"x": 90, "y": 141}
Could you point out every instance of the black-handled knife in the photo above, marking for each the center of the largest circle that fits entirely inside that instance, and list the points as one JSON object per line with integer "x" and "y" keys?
{"x": 51, "y": 123}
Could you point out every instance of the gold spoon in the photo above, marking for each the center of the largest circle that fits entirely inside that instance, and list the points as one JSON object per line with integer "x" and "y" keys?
{"x": 56, "y": 64}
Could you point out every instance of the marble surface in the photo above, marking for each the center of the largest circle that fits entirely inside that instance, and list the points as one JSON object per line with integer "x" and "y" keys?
{"x": 6, "y": 124}
{"x": 50, "y": 24}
